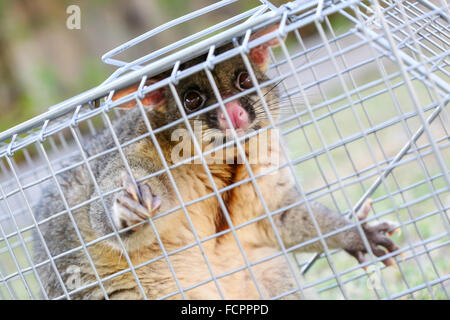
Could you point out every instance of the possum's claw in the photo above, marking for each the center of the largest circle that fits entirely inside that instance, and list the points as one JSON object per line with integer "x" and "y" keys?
{"x": 377, "y": 236}
{"x": 131, "y": 207}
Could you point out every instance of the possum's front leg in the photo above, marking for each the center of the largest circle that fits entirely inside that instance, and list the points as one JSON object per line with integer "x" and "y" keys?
{"x": 296, "y": 226}
{"x": 134, "y": 204}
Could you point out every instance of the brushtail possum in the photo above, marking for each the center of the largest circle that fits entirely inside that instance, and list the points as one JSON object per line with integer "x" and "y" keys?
{"x": 98, "y": 212}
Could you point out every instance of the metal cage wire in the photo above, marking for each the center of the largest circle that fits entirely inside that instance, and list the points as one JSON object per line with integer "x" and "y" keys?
{"x": 368, "y": 119}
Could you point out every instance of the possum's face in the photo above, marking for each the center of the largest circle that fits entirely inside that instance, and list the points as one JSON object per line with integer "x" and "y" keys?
{"x": 228, "y": 79}
{"x": 229, "y": 93}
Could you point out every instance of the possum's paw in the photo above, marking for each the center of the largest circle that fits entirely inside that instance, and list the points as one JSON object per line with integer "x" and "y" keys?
{"x": 377, "y": 235}
{"x": 131, "y": 207}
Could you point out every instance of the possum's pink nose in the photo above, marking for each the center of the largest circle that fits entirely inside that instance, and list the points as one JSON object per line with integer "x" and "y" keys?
{"x": 238, "y": 116}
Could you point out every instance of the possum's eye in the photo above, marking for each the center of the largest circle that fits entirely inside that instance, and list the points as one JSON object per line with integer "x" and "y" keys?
{"x": 243, "y": 81}
{"x": 193, "y": 100}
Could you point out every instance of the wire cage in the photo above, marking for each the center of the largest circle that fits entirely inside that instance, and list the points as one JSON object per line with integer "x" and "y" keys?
{"x": 364, "y": 116}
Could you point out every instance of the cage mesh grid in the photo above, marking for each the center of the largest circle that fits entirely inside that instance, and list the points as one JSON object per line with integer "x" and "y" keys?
{"x": 367, "y": 119}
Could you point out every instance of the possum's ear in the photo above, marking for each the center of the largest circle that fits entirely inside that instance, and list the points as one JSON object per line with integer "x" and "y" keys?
{"x": 260, "y": 54}
{"x": 154, "y": 98}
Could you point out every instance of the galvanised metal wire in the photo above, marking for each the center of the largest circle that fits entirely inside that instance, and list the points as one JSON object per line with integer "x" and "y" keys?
{"x": 368, "y": 96}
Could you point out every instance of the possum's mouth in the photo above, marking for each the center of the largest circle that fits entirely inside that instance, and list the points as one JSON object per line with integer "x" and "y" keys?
{"x": 239, "y": 132}
{"x": 220, "y": 137}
